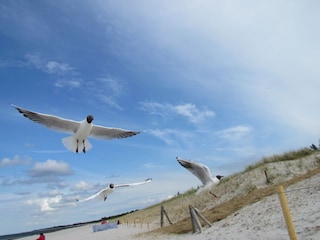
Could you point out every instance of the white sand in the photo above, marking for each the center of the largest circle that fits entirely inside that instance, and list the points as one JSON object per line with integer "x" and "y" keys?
{"x": 261, "y": 220}
{"x": 86, "y": 233}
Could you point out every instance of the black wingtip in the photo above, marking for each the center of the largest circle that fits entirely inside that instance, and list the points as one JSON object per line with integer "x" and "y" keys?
{"x": 179, "y": 160}
{"x": 181, "y": 164}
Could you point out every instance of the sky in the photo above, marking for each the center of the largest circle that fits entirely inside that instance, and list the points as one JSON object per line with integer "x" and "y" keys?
{"x": 224, "y": 83}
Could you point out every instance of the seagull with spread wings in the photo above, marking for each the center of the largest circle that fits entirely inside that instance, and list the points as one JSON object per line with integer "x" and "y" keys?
{"x": 202, "y": 172}
{"x": 104, "y": 193}
{"x": 80, "y": 129}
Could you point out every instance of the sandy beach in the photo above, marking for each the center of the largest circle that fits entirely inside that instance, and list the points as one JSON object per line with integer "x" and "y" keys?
{"x": 261, "y": 220}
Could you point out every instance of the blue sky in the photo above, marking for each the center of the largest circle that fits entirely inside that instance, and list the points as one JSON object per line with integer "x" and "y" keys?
{"x": 221, "y": 82}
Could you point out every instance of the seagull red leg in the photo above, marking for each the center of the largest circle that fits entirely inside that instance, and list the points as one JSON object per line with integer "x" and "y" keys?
{"x": 213, "y": 194}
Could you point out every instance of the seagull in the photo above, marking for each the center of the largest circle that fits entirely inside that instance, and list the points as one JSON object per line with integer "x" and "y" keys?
{"x": 104, "y": 193}
{"x": 80, "y": 129}
{"x": 202, "y": 172}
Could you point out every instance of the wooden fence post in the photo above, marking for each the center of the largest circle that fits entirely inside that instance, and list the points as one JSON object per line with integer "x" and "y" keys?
{"x": 267, "y": 177}
{"x": 163, "y": 212}
{"x": 161, "y": 217}
{"x": 194, "y": 223}
{"x": 286, "y": 213}
{"x": 202, "y": 217}
{"x": 194, "y": 212}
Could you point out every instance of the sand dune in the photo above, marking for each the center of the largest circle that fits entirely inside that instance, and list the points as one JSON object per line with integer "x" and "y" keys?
{"x": 260, "y": 220}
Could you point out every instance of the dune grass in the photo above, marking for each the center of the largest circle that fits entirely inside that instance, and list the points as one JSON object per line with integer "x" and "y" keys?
{"x": 291, "y": 155}
{"x": 236, "y": 192}
{"x": 225, "y": 209}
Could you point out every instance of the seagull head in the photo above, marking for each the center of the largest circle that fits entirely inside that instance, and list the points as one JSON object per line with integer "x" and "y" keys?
{"x": 219, "y": 177}
{"x": 89, "y": 118}
{"x": 111, "y": 185}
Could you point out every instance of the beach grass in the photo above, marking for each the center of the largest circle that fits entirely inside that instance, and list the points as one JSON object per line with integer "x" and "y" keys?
{"x": 235, "y": 191}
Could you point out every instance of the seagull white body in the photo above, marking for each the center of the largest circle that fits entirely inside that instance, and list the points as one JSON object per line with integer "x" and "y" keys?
{"x": 104, "y": 193}
{"x": 80, "y": 129}
{"x": 202, "y": 172}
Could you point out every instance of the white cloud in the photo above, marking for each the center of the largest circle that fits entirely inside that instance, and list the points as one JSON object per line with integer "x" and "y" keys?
{"x": 171, "y": 136}
{"x": 58, "y": 68}
{"x": 82, "y": 186}
{"x": 52, "y": 67}
{"x": 68, "y": 77}
{"x": 109, "y": 100}
{"x": 45, "y": 204}
{"x": 50, "y": 168}
{"x": 154, "y": 108}
{"x": 112, "y": 86}
{"x": 235, "y": 134}
{"x": 190, "y": 111}
{"x": 261, "y": 56}
{"x": 107, "y": 90}
{"x": 164, "y": 135}
{"x": 16, "y": 160}
{"x": 70, "y": 83}
{"x": 54, "y": 193}
{"x": 57, "y": 185}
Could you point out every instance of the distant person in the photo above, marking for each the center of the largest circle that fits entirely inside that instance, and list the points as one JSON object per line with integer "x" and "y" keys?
{"x": 41, "y": 237}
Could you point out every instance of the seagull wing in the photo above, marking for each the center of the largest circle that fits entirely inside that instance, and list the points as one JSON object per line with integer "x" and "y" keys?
{"x": 109, "y": 133}
{"x": 201, "y": 171}
{"x": 102, "y": 194}
{"x": 50, "y": 121}
{"x": 134, "y": 184}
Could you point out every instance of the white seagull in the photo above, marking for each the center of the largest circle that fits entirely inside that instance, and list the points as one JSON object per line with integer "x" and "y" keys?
{"x": 80, "y": 129}
{"x": 202, "y": 172}
{"x": 104, "y": 193}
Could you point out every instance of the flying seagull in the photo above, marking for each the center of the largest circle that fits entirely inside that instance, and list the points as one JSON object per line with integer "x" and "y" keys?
{"x": 104, "y": 193}
{"x": 80, "y": 129}
{"x": 202, "y": 172}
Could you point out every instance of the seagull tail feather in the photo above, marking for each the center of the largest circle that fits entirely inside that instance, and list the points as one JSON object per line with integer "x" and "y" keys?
{"x": 88, "y": 145}
{"x": 71, "y": 144}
